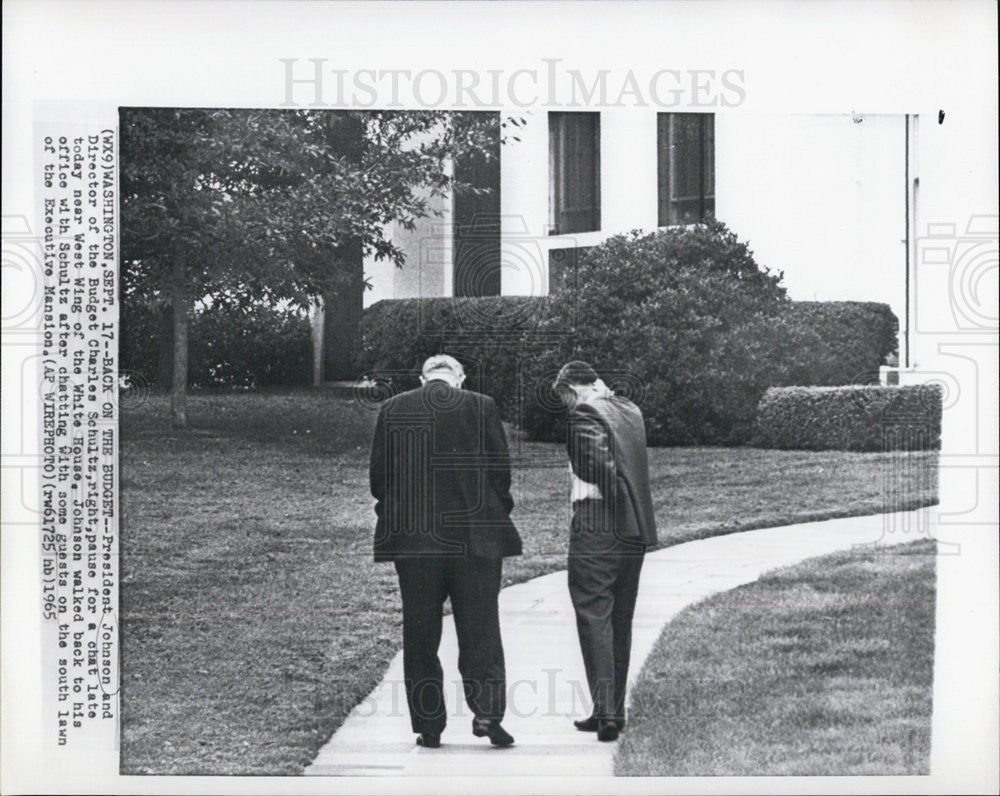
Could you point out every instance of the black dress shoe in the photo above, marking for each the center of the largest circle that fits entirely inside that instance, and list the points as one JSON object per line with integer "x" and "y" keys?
{"x": 491, "y": 728}
{"x": 590, "y": 724}
{"x": 607, "y": 730}
{"x": 430, "y": 740}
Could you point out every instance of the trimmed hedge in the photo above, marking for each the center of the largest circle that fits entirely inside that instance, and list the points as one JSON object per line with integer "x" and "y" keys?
{"x": 228, "y": 347}
{"x": 508, "y": 354}
{"x": 683, "y": 321}
{"x": 247, "y": 349}
{"x": 687, "y": 324}
{"x": 142, "y": 356}
{"x": 485, "y": 334}
{"x": 861, "y": 418}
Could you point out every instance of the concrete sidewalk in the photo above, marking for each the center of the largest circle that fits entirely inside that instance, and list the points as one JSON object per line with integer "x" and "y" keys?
{"x": 546, "y": 681}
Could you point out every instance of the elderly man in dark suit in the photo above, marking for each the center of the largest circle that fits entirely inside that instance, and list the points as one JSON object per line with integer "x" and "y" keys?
{"x": 612, "y": 526}
{"x": 440, "y": 473}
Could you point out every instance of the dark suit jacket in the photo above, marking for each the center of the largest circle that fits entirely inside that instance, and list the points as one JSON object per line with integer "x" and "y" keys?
{"x": 607, "y": 446}
{"x": 440, "y": 473}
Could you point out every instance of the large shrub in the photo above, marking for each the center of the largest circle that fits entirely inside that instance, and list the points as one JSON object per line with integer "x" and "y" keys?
{"x": 854, "y": 418}
{"x": 672, "y": 319}
{"x": 683, "y": 321}
{"x": 484, "y": 334}
{"x": 805, "y": 343}
{"x": 836, "y": 342}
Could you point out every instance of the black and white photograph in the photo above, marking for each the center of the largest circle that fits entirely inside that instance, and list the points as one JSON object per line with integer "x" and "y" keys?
{"x": 457, "y": 397}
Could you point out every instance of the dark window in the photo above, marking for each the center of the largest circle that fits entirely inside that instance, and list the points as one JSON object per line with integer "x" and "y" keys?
{"x": 574, "y": 172}
{"x": 476, "y": 252}
{"x": 685, "y": 167}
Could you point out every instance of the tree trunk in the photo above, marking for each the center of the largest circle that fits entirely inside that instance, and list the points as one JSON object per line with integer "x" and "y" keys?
{"x": 180, "y": 303}
{"x": 344, "y": 307}
{"x": 342, "y": 313}
{"x": 165, "y": 349}
{"x": 317, "y": 315}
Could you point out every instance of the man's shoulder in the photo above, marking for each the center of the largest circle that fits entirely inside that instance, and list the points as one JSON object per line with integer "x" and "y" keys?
{"x": 422, "y": 397}
{"x": 480, "y": 403}
{"x": 625, "y": 404}
{"x": 606, "y": 408}
{"x": 480, "y": 397}
{"x": 587, "y": 415}
{"x": 404, "y": 401}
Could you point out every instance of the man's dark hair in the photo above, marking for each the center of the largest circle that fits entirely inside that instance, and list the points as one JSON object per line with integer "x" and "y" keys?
{"x": 575, "y": 372}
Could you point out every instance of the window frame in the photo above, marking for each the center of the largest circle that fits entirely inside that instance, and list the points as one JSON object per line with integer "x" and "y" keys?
{"x": 668, "y": 212}
{"x": 586, "y": 218}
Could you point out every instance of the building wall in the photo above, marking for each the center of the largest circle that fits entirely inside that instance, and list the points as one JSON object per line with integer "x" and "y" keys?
{"x": 821, "y": 198}
{"x": 954, "y": 266}
{"x": 427, "y": 270}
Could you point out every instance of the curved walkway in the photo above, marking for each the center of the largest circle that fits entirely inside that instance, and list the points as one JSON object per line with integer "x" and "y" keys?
{"x": 546, "y": 682}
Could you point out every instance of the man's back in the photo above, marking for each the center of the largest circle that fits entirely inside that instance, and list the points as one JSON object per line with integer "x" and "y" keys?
{"x": 611, "y": 528}
{"x": 607, "y": 446}
{"x": 440, "y": 472}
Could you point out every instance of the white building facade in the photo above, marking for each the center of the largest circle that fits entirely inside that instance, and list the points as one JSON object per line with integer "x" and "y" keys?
{"x": 829, "y": 200}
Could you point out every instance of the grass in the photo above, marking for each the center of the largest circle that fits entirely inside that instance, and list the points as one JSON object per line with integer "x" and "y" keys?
{"x": 253, "y": 618}
{"x": 823, "y": 668}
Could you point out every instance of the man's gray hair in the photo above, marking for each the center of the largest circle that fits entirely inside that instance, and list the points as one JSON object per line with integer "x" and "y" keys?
{"x": 442, "y": 362}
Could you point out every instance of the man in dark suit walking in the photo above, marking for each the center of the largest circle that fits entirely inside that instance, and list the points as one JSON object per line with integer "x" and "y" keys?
{"x": 611, "y": 528}
{"x": 440, "y": 473}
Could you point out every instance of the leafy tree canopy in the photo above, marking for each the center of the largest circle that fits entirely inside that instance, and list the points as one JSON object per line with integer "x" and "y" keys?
{"x": 252, "y": 205}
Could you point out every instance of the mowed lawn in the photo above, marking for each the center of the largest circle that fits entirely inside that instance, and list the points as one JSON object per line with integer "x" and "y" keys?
{"x": 253, "y": 617}
{"x": 823, "y": 668}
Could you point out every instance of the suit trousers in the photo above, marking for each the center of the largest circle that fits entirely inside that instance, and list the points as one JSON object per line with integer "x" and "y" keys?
{"x": 603, "y": 584}
{"x": 473, "y": 584}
